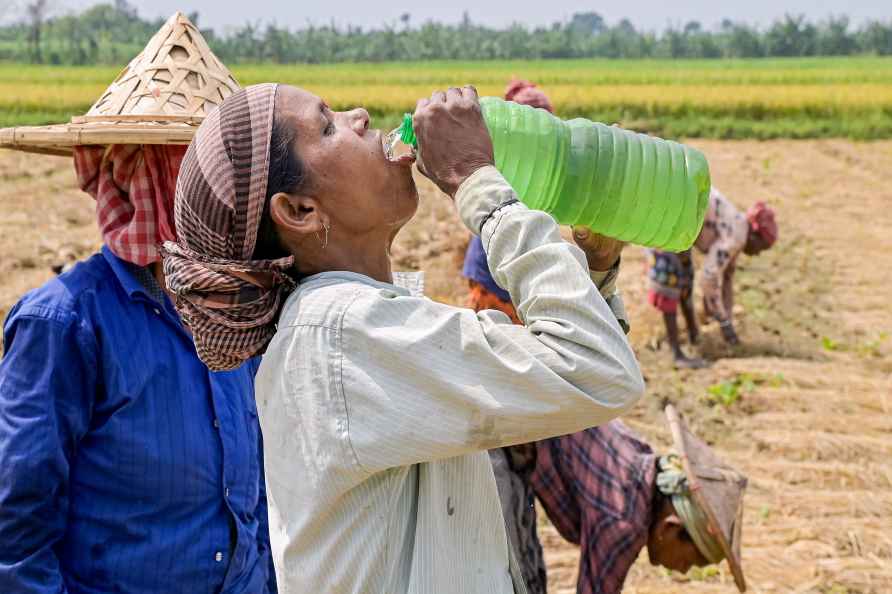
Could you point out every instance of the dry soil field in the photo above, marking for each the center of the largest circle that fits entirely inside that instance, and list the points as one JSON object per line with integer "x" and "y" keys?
{"x": 804, "y": 407}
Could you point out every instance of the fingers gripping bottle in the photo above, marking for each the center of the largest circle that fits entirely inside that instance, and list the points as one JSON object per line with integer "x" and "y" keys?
{"x": 621, "y": 184}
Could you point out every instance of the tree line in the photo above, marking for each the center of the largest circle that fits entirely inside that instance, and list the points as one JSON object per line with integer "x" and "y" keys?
{"x": 112, "y": 33}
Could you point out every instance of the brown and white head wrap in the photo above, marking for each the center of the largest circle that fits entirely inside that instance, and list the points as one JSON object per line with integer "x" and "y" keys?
{"x": 228, "y": 301}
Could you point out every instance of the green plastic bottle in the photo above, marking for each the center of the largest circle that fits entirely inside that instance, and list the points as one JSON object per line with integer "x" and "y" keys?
{"x": 621, "y": 184}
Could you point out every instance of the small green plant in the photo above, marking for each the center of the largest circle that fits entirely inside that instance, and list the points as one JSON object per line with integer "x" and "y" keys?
{"x": 829, "y": 344}
{"x": 777, "y": 380}
{"x": 871, "y": 348}
{"x": 702, "y": 574}
{"x": 727, "y": 392}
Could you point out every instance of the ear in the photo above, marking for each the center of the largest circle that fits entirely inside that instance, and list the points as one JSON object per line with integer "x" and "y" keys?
{"x": 297, "y": 214}
{"x": 668, "y": 527}
{"x": 674, "y": 521}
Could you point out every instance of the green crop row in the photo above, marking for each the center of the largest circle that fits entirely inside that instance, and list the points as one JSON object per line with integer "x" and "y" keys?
{"x": 793, "y": 98}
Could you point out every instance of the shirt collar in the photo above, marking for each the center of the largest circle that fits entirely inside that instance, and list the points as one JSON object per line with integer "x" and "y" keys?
{"x": 404, "y": 283}
{"x": 123, "y": 273}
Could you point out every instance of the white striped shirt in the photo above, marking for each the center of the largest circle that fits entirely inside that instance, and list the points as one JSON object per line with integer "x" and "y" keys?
{"x": 378, "y": 405}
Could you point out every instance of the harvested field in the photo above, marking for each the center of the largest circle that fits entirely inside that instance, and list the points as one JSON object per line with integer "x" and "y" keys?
{"x": 804, "y": 407}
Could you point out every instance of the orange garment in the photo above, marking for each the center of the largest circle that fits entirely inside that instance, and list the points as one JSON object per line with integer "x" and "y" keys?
{"x": 480, "y": 298}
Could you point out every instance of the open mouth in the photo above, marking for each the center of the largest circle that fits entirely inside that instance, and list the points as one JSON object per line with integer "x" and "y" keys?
{"x": 395, "y": 151}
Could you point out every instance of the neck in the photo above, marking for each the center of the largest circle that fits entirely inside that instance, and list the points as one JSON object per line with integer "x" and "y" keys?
{"x": 373, "y": 262}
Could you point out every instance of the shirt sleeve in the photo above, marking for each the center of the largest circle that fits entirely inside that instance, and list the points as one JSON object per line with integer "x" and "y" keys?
{"x": 47, "y": 389}
{"x": 606, "y": 283}
{"x": 425, "y": 381}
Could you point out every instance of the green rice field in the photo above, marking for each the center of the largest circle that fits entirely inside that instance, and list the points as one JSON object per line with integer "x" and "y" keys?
{"x": 769, "y": 98}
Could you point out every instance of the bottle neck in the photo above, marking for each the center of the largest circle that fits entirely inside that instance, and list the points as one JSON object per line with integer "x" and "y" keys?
{"x": 407, "y": 132}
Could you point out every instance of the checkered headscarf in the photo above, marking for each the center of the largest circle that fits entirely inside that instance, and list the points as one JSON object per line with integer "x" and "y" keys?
{"x": 229, "y": 301}
{"x": 134, "y": 187}
{"x": 762, "y": 221}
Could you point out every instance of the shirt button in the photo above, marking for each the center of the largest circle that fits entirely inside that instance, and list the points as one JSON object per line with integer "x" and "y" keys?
{"x": 218, "y": 557}
{"x": 226, "y": 492}
{"x": 157, "y": 312}
{"x": 217, "y": 423}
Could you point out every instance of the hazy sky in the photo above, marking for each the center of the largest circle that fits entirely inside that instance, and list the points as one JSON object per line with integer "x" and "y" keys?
{"x": 649, "y": 14}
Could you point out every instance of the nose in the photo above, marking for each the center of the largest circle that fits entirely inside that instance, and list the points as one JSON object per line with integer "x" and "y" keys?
{"x": 359, "y": 120}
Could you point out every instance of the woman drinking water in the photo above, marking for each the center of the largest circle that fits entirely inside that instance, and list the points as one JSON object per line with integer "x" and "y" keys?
{"x": 377, "y": 405}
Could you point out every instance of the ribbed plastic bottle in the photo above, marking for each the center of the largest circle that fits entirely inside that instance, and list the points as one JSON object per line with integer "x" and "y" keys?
{"x": 633, "y": 187}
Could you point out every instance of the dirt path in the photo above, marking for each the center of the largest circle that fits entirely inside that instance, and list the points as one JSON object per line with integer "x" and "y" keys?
{"x": 809, "y": 394}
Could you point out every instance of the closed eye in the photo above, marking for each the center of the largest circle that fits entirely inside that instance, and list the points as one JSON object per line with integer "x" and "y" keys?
{"x": 329, "y": 128}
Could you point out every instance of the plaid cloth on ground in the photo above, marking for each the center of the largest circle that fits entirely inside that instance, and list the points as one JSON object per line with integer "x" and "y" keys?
{"x": 134, "y": 190}
{"x": 597, "y": 487}
{"x": 228, "y": 301}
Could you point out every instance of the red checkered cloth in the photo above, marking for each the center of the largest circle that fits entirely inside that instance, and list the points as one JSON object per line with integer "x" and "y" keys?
{"x": 134, "y": 189}
{"x": 761, "y": 219}
{"x": 597, "y": 487}
{"x": 526, "y": 93}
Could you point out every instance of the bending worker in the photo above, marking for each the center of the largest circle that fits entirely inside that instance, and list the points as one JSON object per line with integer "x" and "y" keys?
{"x": 726, "y": 234}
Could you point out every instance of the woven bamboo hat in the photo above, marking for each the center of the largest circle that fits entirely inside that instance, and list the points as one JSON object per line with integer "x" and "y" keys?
{"x": 159, "y": 98}
{"x": 717, "y": 490}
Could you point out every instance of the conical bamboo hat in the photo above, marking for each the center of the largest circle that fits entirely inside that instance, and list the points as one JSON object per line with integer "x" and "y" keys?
{"x": 159, "y": 98}
{"x": 717, "y": 490}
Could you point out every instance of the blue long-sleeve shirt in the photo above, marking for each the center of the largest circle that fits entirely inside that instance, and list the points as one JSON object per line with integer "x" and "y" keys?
{"x": 125, "y": 465}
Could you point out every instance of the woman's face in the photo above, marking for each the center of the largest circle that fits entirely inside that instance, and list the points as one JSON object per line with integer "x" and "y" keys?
{"x": 669, "y": 544}
{"x": 359, "y": 190}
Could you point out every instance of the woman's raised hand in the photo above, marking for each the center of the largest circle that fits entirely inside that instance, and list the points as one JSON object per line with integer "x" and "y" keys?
{"x": 453, "y": 141}
{"x": 601, "y": 251}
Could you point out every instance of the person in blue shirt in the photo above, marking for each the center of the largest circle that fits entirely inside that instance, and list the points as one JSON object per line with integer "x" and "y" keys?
{"x": 125, "y": 465}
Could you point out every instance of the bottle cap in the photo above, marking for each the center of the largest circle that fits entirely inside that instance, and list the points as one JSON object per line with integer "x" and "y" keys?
{"x": 407, "y": 133}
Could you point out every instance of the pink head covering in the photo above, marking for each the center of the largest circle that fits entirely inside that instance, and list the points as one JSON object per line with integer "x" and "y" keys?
{"x": 227, "y": 299}
{"x": 526, "y": 93}
{"x": 134, "y": 190}
{"x": 761, "y": 219}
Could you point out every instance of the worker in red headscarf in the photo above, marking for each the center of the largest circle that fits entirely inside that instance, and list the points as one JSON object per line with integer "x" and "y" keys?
{"x": 526, "y": 93}
{"x": 726, "y": 233}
